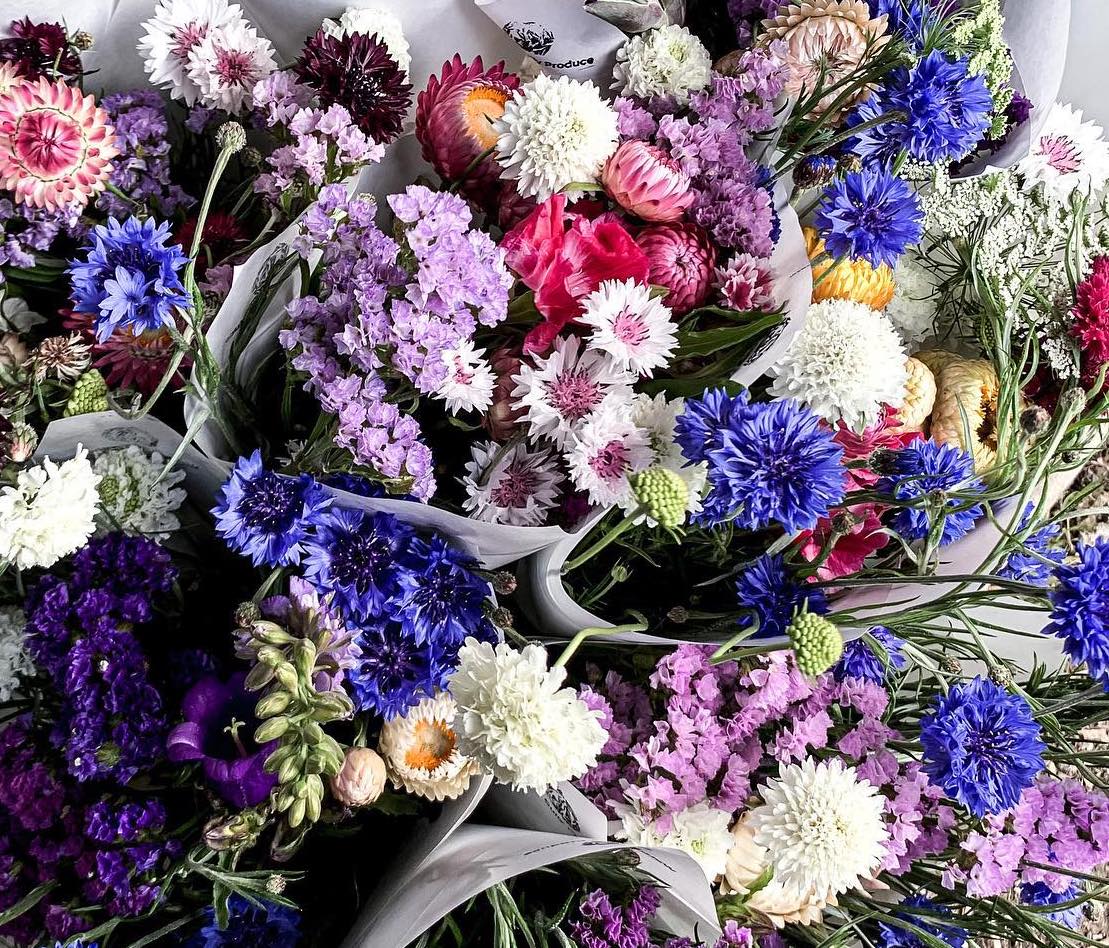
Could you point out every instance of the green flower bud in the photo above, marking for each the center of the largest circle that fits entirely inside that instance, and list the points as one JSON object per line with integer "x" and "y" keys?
{"x": 296, "y": 814}
{"x": 289, "y": 771}
{"x": 271, "y": 730}
{"x": 271, "y": 633}
{"x": 258, "y": 677}
{"x": 275, "y": 703}
{"x": 817, "y": 643}
{"x": 663, "y": 495}
{"x": 304, "y": 658}
{"x": 90, "y": 394}
{"x": 287, "y": 677}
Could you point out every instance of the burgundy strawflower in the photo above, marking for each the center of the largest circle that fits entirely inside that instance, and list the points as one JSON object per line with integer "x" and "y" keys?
{"x": 357, "y": 72}
{"x": 40, "y": 49}
{"x": 223, "y": 235}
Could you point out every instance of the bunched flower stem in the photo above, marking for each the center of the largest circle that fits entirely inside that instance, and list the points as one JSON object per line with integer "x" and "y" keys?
{"x": 576, "y": 642}
{"x": 626, "y": 524}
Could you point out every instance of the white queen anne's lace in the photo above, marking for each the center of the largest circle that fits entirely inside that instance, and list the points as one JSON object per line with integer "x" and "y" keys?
{"x": 14, "y": 660}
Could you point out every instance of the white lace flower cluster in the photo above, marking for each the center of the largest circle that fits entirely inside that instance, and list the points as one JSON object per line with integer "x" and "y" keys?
{"x": 137, "y": 494}
{"x": 14, "y": 660}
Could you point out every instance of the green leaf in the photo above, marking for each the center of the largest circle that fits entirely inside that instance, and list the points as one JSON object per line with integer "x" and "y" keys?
{"x": 709, "y": 341}
{"x": 165, "y": 930}
{"x": 397, "y": 804}
{"x": 29, "y": 901}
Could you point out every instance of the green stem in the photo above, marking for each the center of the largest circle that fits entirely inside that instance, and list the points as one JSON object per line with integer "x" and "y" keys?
{"x": 576, "y": 642}
{"x": 626, "y": 524}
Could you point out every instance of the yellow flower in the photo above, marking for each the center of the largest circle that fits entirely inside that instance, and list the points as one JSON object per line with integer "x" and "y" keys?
{"x": 854, "y": 280}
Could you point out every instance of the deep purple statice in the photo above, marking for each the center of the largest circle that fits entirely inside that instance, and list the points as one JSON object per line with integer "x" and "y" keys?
{"x": 869, "y": 215}
{"x": 25, "y": 230}
{"x": 266, "y": 516}
{"x": 775, "y": 594}
{"x": 441, "y": 596}
{"x": 130, "y": 278}
{"x": 1080, "y": 609}
{"x": 250, "y": 925}
{"x": 891, "y": 935}
{"x": 602, "y": 923}
{"x": 396, "y": 672}
{"x": 925, "y": 468}
{"x": 982, "y": 746}
{"x": 861, "y": 661}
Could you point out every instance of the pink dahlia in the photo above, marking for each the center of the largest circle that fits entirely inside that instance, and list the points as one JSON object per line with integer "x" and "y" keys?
{"x": 454, "y": 123}
{"x": 747, "y": 284}
{"x": 56, "y": 145}
{"x": 647, "y": 182}
{"x": 1091, "y": 318}
{"x": 681, "y": 258}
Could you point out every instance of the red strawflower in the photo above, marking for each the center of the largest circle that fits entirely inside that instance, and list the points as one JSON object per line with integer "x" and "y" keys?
{"x": 1091, "y": 319}
{"x": 128, "y": 361}
{"x": 40, "y": 50}
{"x": 223, "y": 235}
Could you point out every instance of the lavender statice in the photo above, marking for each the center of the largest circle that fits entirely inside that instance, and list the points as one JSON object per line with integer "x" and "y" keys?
{"x": 26, "y": 230}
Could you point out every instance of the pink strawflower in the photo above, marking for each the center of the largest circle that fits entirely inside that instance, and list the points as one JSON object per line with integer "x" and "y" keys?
{"x": 647, "y": 182}
{"x": 860, "y": 446}
{"x": 747, "y": 284}
{"x": 55, "y": 144}
{"x": 681, "y": 257}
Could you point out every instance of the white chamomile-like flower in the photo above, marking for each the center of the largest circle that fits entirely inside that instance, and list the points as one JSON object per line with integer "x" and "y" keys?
{"x": 374, "y": 21}
{"x": 845, "y": 363}
{"x": 562, "y": 390}
{"x": 822, "y": 828}
{"x": 516, "y": 485}
{"x": 516, "y": 719}
{"x": 554, "y": 132}
{"x": 14, "y": 660}
{"x": 470, "y": 380}
{"x": 227, "y": 63}
{"x": 421, "y": 754}
{"x": 134, "y": 494}
{"x": 604, "y": 453}
{"x": 1070, "y": 155}
{"x": 669, "y": 61}
{"x": 699, "y": 830}
{"x": 913, "y": 307}
{"x": 658, "y": 417}
{"x": 49, "y": 512}
{"x": 175, "y": 30}
{"x": 634, "y": 328}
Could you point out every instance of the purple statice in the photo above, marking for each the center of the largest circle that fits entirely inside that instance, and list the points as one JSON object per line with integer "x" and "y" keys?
{"x": 602, "y": 923}
{"x": 929, "y": 919}
{"x": 142, "y": 170}
{"x": 129, "y": 278}
{"x": 267, "y": 516}
{"x": 734, "y": 935}
{"x": 863, "y": 661}
{"x": 775, "y": 594}
{"x": 747, "y": 15}
{"x": 633, "y": 120}
{"x": 250, "y": 924}
{"x": 924, "y": 473}
{"x": 441, "y": 596}
{"x": 1080, "y": 609}
{"x": 982, "y": 746}
{"x": 27, "y": 230}
{"x": 1038, "y": 894}
{"x": 870, "y": 215}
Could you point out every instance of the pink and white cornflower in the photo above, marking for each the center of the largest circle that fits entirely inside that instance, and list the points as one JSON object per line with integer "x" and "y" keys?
{"x": 607, "y": 449}
{"x": 657, "y": 417}
{"x": 175, "y": 30}
{"x": 469, "y": 383}
{"x": 634, "y": 328}
{"x": 515, "y": 485}
{"x": 227, "y": 63}
{"x": 561, "y": 391}
{"x": 1070, "y": 155}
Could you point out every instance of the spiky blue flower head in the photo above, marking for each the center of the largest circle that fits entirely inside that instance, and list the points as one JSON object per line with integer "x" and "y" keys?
{"x": 129, "y": 277}
{"x": 862, "y": 661}
{"x": 440, "y": 596}
{"x": 981, "y": 746}
{"x": 250, "y": 925}
{"x": 913, "y": 20}
{"x": 774, "y": 593}
{"x": 1080, "y": 609}
{"x": 1037, "y": 893}
{"x": 925, "y": 467}
{"x": 356, "y": 555}
{"x": 870, "y": 215}
{"x": 892, "y": 935}
{"x": 697, "y": 429}
{"x": 395, "y": 672}
{"x": 267, "y": 516}
{"x": 1036, "y": 558}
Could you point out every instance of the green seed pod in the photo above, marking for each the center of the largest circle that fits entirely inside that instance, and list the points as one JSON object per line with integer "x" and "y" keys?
{"x": 270, "y": 655}
{"x": 304, "y": 657}
{"x": 258, "y": 677}
{"x": 271, "y": 634}
{"x": 296, "y": 814}
{"x": 289, "y": 771}
{"x": 287, "y": 677}
{"x": 285, "y": 799}
{"x": 275, "y": 703}
{"x": 313, "y": 806}
{"x": 271, "y": 730}
{"x": 312, "y": 734}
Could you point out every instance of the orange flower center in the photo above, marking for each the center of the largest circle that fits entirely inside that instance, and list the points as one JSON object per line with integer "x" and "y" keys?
{"x": 432, "y": 744}
{"x": 482, "y": 106}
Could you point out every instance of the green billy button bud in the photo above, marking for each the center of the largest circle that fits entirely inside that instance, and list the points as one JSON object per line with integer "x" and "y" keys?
{"x": 662, "y": 494}
{"x": 817, "y": 643}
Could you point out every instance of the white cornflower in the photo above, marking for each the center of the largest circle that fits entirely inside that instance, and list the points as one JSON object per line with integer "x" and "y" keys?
{"x": 14, "y": 660}
{"x": 554, "y": 132}
{"x": 566, "y": 387}
{"x": 699, "y": 830}
{"x": 175, "y": 30}
{"x": 132, "y": 498}
{"x": 846, "y": 362}
{"x": 657, "y": 417}
{"x": 227, "y": 63}
{"x": 822, "y": 828}
{"x": 421, "y": 754}
{"x": 633, "y": 327}
{"x": 49, "y": 512}
{"x": 516, "y": 719}
{"x": 913, "y": 307}
{"x": 374, "y": 21}
{"x": 669, "y": 61}
{"x": 607, "y": 449}
{"x": 1070, "y": 155}
{"x": 470, "y": 380}
{"x": 512, "y": 485}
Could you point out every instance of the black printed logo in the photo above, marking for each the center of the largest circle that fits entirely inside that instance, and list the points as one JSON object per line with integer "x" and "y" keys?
{"x": 530, "y": 36}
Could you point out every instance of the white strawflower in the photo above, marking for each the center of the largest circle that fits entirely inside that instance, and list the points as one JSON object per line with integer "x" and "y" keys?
{"x": 421, "y": 754}
{"x": 374, "y": 21}
{"x": 699, "y": 830}
{"x": 49, "y": 513}
{"x": 561, "y": 391}
{"x": 604, "y": 453}
{"x": 657, "y": 417}
{"x": 470, "y": 380}
{"x": 822, "y": 828}
{"x": 669, "y": 61}
{"x": 913, "y": 307}
{"x": 554, "y": 132}
{"x": 227, "y": 63}
{"x": 845, "y": 363}
{"x": 14, "y": 660}
{"x": 516, "y": 719}
{"x": 514, "y": 485}
{"x": 134, "y": 496}
{"x": 175, "y": 30}
{"x": 1070, "y": 155}
{"x": 634, "y": 328}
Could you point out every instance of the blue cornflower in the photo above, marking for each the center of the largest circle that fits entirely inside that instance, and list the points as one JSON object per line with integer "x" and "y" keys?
{"x": 776, "y": 463}
{"x": 922, "y": 468}
{"x": 775, "y": 594}
{"x": 76, "y": 943}
{"x": 266, "y": 516}
{"x": 355, "y": 554}
{"x": 861, "y": 661}
{"x": 440, "y": 597}
{"x": 1080, "y": 614}
{"x": 697, "y": 429}
{"x": 1037, "y": 893}
{"x": 894, "y": 936}
{"x": 1026, "y": 565}
{"x": 870, "y": 214}
{"x": 250, "y": 925}
{"x": 130, "y": 278}
{"x": 981, "y": 746}
{"x": 395, "y": 671}
{"x": 913, "y": 19}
